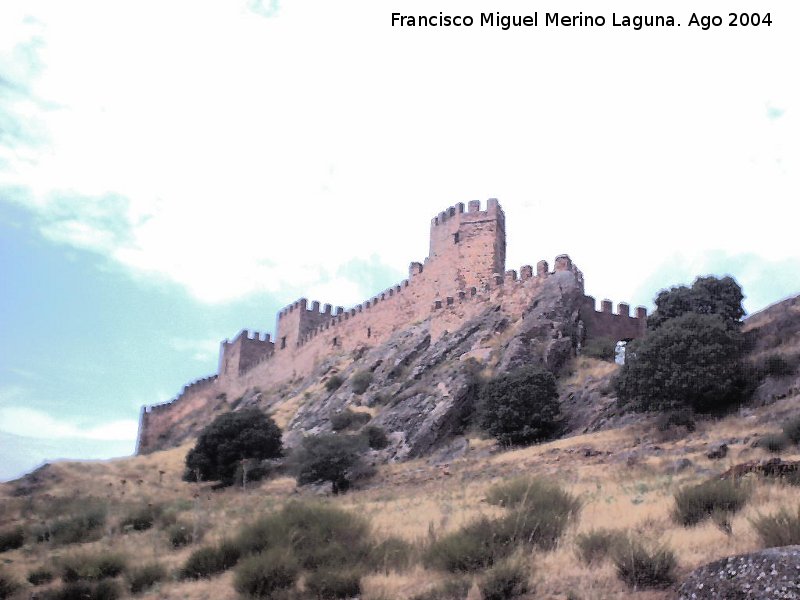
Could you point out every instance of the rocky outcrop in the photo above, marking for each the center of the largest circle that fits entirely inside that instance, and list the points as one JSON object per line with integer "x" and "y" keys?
{"x": 773, "y": 573}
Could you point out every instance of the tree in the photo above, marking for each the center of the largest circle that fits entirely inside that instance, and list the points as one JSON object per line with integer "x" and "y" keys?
{"x": 691, "y": 361}
{"x": 520, "y": 407}
{"x": 230, "y": 439}
{"x": 707, "y": 296}
{"x": 330, "y": 457}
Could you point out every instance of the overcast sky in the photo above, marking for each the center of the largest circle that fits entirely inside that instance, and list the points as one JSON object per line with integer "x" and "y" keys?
{"x": 171, "y": 172}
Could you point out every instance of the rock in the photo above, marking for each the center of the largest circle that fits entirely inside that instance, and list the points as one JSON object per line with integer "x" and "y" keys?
{"x": 717, "y": 451}
{"x": 770, "y": 573}
{"x": 588, "y": 452}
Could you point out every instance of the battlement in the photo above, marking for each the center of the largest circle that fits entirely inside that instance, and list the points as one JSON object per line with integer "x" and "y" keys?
{"x": 194, "y": 386}
{"x": 606, "y": 323}
{"x": 473, "y": 211}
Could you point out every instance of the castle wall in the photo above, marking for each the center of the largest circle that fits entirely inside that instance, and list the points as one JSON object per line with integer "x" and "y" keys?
{"x": 156, "y": 421}
{"x": 605, "y": 323}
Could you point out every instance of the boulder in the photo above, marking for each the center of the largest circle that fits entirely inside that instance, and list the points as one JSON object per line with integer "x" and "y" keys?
{"x": 717, "y": 451}
{"x": 766, "y": 574}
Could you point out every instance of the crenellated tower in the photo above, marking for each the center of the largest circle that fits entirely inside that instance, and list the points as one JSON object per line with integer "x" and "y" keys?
{"x": 468, "y": 247}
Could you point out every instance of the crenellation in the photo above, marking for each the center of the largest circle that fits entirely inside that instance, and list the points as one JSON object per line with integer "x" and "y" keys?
{"x": 607, "y": 306}
{"x": 465, "y": 267}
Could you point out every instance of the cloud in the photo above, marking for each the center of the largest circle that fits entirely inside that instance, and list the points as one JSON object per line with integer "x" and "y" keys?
{"x": 32, "y": 423}
{"x": 199, "y": 350}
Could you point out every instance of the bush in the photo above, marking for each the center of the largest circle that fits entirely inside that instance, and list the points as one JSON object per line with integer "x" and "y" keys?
{"x": 774, "y": 442}
{"x": 781, "y": 529}
{"x": 483, "y": 542}
{"x": 692, "y": 361}
{"x": 643, "y": 567}
{"x": 376, "y": 437}
{"x": 361, "y": 381}
{"x": 141, "y": 518}
{"x": 315, "y": 534}
{"x": 696, "y": 503}
{"x": 392, "y": 553}
{"x": 707, "y": 296}
{"x": 506, "y": 580}
{"x": 85, "y": 526}
{"x": 230, "y": 439}
{"x": 596, "y": 546}
{"x": 776, "y": 365}
{"x": 83, "y": 590}
{"x": 331, "y": 458}
{"x": 519, "y": 407}
{"x": 11, "y": 539}
{"x": 92, "y": 567}
{"x": 261, "y": 575}
{"x": 8, "y": 586}
{"x": 143, "y": 578}
{"x": 454, "y": 588}
{"x": 792, "y": 430}
{"x": 348, "y": 419}
{"x": 333, "y": 583}
{"x": 535, "y": 493}
{"x": 682, "y": 417}
{"x": 180, "y": 534}
{"x": 40, "y": 576}
{"x": 210, "y": 560}
{"x": 334, "y": 383}
{"x": 600, "y": 348}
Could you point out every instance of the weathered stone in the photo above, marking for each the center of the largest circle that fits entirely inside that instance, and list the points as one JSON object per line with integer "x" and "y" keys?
{"x": 771, "y": 573}
{"x": 717, "y": 451}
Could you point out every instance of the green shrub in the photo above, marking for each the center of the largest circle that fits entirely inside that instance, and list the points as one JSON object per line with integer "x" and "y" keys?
{"x": 40, "y": 576}
{"x": 180, "y": 534}
{"x": 641, "y": 566}
{"x": 505, "y": 580}
{"x": 84, "y": 590}
{"x": 141, "y": 579}
{"x": 11, "y": 539}
{"x": 317, "y": 535}
{"x": 8, "y": 585}
{"x": 532, "y": 492}
{"x": 84, "y": 526}
{"x": 360, "y": 382}
{"x": 541, "y": 515}
{"x": 695, "y": 503}
{"x": 141, "y": 518}
{"x": 210, "y": 560}
{"x": 781, "y": 529}
{"x": 334, "y": 583}
{"x": 777, "y": 365}
{"x": 348, "y": 419}
{"x": 600, "y": 348}
{"x": 519, "y": 407}
{"x": 334, "y": 383}
{"x": 392, "y": 553}
{"x": 259, "y": 576}
{"x": 692, "y": 361}
{"x": 376, "y": 437}
{"x": 330, "y": 457}
{"x": 596, "y": 546}
{"x": 92, "y": 567}
{"x": 792, "y": 430}
{"x": 453, "y": 588}
{"x": 774, "y": 442}
{"x": 707, "y": 296}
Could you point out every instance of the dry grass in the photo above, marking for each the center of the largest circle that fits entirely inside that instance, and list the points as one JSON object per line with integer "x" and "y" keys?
{"x": 417, "y": 501}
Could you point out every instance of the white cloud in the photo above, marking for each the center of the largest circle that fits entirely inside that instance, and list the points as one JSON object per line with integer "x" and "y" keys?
{"x": 28, "y": 422}
{"x": 200, "y": 350}
{"x": 232, "y": 154}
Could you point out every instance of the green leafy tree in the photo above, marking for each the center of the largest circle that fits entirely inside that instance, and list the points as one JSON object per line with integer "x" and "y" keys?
{"x": 520, "y": 407}
{"x": 230, "y": 439}
{"x": 330, "y": 457}
{"x": 707, "y": 296}
{"x": 691, "y": 361}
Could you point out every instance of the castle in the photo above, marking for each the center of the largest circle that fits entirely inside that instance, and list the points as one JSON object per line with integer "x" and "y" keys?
{"x": 465, "y": 266}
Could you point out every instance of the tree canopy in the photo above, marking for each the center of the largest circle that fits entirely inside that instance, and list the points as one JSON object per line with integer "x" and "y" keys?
{"x": 230, "y": 439}
{"x": 706, "y": 296}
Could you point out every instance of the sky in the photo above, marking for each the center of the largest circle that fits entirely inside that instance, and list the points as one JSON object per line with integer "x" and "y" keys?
{"x": 173, "y": 172}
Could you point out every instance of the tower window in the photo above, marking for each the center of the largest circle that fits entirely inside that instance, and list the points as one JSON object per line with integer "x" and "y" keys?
{"x": 369, "y": 332}
{"x": 456, "y": 237}
{"x": 283, "y": 342}
{"x": 335, "y": 341}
